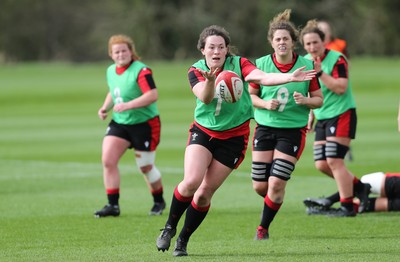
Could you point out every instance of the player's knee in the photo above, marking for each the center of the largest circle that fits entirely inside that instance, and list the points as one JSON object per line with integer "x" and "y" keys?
{"x": 109, "y": 162}
{"x": 110, "y": 167}
{"x": 276, "y": 190}
{"x": 260, "y": 171}
{"x": 323, "y": 167}
{"x": 189, "y": 186}
{"x": 145, "y": 161}
{"x": 261, "y": 188}
{"x": 282, "y": 169}
{"x": 153, "y": 175}
{"x": 146, "y": 169}
{"x": 335, "y": 150}
{"x": 204, "y": 196}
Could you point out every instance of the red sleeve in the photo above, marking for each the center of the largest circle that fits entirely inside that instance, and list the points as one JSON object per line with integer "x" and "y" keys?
{"x": 145, "y": 80}
{"x": 247, "y": 66}
{"x": 314, "y": 85}
{"x": 195, "y": 77}
{"x": 340, "y": 70}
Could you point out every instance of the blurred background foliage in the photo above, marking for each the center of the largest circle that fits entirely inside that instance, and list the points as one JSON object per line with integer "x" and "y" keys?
{"x": 78, "y": 30}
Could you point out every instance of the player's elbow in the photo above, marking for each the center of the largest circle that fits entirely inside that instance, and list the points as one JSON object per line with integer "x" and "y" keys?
{"x": 206, "y": 100}
{"x": 341, "y": 86}
{"x": 318, "y": 103}
{"x": 341, "y": 91}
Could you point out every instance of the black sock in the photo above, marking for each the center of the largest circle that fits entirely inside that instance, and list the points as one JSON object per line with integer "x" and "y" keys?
{"x": 359, "y": 186}
{"x": 347, "y": 203}
{"x": 371, "y": 205}
{"x": 334, "y": 198}
{"x": 269, "y": 212}
{"x": 158, "y": 195}
{"x": 177, "y": 208}
{"x": 194, "y": 217}
{"x": 113, "y": 199}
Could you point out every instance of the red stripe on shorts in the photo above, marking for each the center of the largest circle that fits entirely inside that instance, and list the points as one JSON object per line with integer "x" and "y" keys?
{"x": 343, "y": 125}
{"x": 155, "y": 126}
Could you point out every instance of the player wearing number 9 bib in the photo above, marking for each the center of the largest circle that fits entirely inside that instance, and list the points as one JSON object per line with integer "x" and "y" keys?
{"x": 281, "y": 113}
{"x": 218, "y": 136}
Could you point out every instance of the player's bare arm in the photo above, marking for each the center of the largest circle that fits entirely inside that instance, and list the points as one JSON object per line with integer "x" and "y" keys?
{"x": 205, "y": 90}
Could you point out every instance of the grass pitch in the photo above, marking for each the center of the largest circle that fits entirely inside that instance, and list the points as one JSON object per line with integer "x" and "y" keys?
{"x": 51, "y": 176}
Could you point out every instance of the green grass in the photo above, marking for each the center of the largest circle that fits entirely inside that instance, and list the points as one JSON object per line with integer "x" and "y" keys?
{"x": 51, "y": 176}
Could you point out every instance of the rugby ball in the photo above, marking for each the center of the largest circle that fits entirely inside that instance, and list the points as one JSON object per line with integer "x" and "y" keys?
{"x": 228, "y": 86}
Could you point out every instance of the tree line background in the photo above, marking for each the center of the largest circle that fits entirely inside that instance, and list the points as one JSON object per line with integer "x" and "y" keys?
{"x": 78, "y": 30}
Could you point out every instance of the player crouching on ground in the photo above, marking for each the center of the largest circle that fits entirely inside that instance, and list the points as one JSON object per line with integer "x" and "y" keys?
{"x": 385, "y": 185}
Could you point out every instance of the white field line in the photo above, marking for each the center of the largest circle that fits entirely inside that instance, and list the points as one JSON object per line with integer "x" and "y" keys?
{"x": 19, "y": 169}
